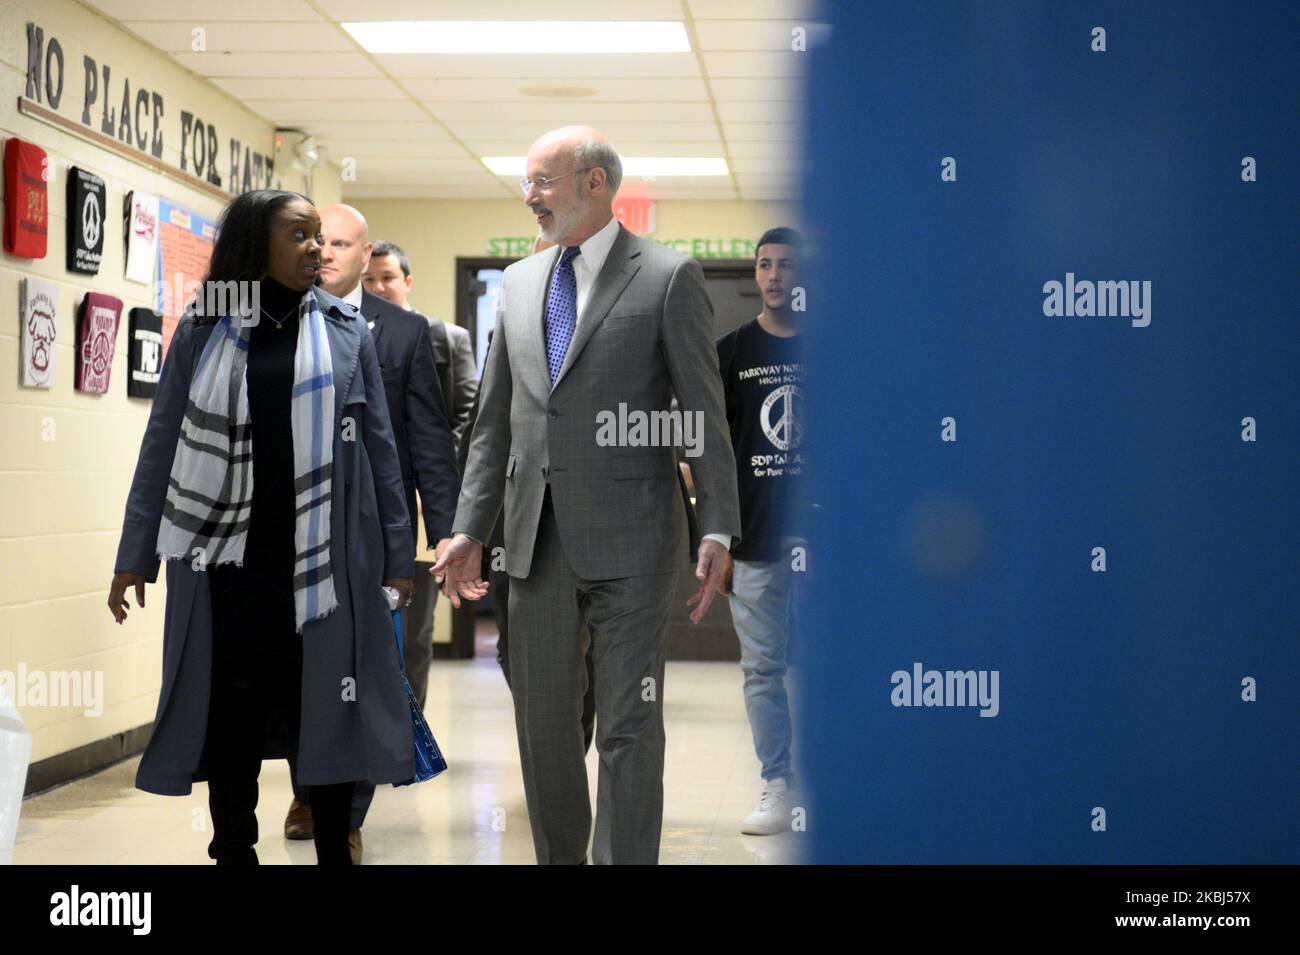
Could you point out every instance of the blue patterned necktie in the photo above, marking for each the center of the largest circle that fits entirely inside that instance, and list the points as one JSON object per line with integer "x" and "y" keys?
{"x": 561, "y": 312}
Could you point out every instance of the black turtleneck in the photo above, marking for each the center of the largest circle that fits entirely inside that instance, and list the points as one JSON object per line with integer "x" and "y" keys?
{"x": 271, "y": 347}
{"x": 256, "y": 652}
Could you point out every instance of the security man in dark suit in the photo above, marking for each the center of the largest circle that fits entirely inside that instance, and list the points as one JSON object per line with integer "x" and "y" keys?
{"x": 389, "y": 276}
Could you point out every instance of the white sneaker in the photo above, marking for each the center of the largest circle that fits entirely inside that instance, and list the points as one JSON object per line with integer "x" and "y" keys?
{"x": 771, "y": 815}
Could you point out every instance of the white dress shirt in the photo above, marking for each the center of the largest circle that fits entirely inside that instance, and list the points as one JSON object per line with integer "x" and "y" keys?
{"x": 588, "y": 265}
{"x": 353, "y": 298}
{"x": 585, "y": 269}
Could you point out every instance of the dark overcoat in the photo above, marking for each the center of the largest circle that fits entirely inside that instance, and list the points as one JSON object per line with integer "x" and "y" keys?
{"x": 355, "y": 720}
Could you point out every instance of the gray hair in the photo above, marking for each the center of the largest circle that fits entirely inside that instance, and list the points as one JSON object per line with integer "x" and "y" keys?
{"x": 592, "y": 153}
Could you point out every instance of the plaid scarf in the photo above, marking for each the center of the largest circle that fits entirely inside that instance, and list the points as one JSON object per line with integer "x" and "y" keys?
{"x": 210, "y": 492}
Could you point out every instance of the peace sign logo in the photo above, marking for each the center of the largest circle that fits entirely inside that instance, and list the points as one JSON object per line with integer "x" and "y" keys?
{"x": 90, "y": 220}
{"x": 778, "y": 418}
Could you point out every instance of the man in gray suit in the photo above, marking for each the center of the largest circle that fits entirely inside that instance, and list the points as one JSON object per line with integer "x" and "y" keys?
{"x": 591, "y": 337}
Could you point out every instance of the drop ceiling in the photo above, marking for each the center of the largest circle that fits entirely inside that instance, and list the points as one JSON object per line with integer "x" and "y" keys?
{"x": 416, "y": 125}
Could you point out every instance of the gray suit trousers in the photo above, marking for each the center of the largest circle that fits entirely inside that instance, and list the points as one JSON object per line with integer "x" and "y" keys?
{"x": 625, "y": 620}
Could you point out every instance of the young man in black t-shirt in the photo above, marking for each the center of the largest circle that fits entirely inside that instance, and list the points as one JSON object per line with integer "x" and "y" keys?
{"x": 762, "y": 366}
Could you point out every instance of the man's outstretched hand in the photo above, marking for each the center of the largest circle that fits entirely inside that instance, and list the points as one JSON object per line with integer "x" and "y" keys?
{"x": 711, "y": 568}
{"x": 458, "y": 569}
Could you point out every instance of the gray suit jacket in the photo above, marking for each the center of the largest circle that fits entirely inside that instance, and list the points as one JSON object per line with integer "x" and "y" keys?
{"x": 454, "y": 356}
{"x": 644, "y": 335}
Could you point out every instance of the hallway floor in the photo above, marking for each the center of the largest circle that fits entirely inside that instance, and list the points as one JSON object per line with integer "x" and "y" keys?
{"x": 473, "y": 813}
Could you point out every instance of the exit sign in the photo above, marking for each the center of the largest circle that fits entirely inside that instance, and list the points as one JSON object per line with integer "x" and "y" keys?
{"x": 637, "y": 215}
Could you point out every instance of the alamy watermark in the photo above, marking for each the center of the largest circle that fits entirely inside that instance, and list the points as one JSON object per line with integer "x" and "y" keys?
{"x": 1086, "y": 299}
{"x": 130, "y": 909}
{"x": 210, "y": 298}
{"x": 651, "y": 429}
{"x": 83, "y": 689}
{"x": 922, "y": 687}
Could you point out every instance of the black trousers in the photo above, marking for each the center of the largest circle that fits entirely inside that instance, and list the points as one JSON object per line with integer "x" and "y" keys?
{"x": 256, "y": 702}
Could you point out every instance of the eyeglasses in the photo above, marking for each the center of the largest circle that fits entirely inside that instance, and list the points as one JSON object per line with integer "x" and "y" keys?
{"x": 526, "y": 184}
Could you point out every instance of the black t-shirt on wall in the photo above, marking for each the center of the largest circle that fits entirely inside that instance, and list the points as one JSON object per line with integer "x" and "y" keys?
{"x": 761, "y": 377}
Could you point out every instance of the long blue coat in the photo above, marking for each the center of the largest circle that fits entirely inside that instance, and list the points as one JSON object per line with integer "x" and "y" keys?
{"x": 343, "y": 737}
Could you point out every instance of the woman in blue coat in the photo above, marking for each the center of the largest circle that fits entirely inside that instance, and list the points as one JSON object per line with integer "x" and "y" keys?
{"x": 269, "y": 482}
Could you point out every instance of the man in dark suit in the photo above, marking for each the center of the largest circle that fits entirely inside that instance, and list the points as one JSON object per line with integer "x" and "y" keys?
{"x": 389, "y": 276}
{"x": 420, "y": 428}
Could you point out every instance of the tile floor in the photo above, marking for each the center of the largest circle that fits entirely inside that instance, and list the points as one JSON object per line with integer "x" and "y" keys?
{"x": 474, "y": 813}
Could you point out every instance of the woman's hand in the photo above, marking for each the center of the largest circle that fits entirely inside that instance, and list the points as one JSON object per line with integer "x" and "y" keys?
{"x": 405, "y": 588}
{"x": 117, "y": 594}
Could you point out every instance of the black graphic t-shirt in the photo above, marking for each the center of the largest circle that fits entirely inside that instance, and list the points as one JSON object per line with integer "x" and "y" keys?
{"x": 86, "y": 225}
{"x": 761, "y": 375}
{"x": 145, "y": 353}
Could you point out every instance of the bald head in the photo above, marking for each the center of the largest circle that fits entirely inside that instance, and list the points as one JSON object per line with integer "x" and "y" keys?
{"x": 346, "y": 217}
{"x": 346, "y": 252}
{"x": 584, "y": 174}
{"x": 581, "y": 146}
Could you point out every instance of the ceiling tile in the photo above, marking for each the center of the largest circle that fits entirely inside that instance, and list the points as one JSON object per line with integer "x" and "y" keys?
{"x": 440, "y": 165}
{"x": 362, "y": 148}
{"x": 767, "y": 64}
{"x": 295, "y": 111}
{"x": 373, "y": 10}
{"x": 305, "y": 65}
{"x": 377, "y": 130}
{"x": 748, "y": 88}
{"x": 414, "y": 177}
{"x": 288, "y": 61}
{"x": 776, "y": 111}
{"x": 491, "y": 190}
{"x": 751, "y": 10}
{"x": 563, "y": 112}
{"x": 741, "y": 148}
{"x": 198, "y": 12}
{"x": 177, "y": 37}
{"x": 762, "y": 132}
{"x": 330, "y": 88}
{"x": 460, "y": 90}
{"x": 776, "y": 163}
{"x": 525, "y": 133}
{"x": 543, "y": 68}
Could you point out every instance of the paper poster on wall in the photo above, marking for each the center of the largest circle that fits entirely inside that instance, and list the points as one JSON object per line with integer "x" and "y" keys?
{"x": 141, "y": 213}
{"x": 145, "y": 338}
{"x": 27, "y": 206}
{"x": 96, "y": 341}
{"x": 39, "y": 301}
{"x": 185, "y": 241}
{"x": 86, "y": 205}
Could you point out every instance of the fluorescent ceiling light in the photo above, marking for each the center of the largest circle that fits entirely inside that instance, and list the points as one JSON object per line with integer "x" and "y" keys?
{"x": 516, "y": 36}
{"x": 639, "y": 166}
